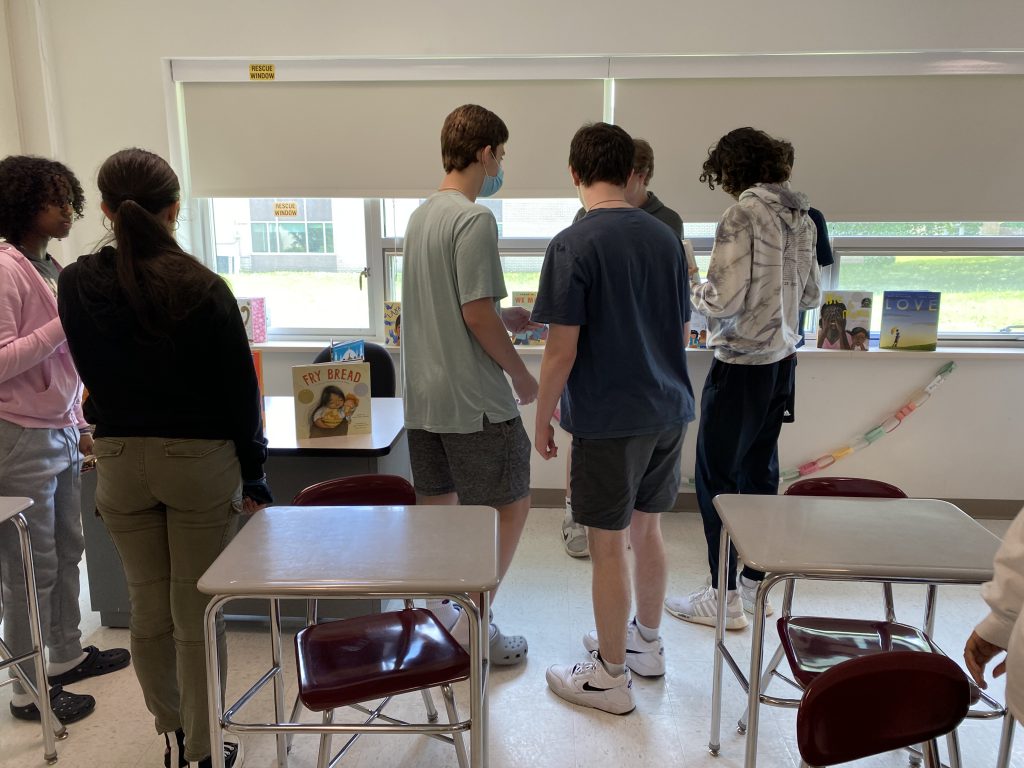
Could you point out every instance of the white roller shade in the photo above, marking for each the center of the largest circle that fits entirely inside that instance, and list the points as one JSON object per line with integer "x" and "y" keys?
{"x": 936, "y": 148}
{"x": 373, "y": 139}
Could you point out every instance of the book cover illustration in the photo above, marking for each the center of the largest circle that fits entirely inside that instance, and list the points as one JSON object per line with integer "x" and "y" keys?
{"x": 844, "y": 321}
{"x": 392, "y": 323}
{"x": 348, "y": 351}
{"x": 526, "y": 300}
{"x": 331, "y": 399}
{"x": 910, "y": 320}
{"x": 698, "y": 330}
{"x": 254, "y": 316}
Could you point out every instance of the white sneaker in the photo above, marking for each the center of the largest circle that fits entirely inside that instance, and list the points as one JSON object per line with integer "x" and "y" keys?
{"x": 574, "y": 536}
{"x": 446, "y": 612}
{"x": 589, "y": 685}
{"x": 701, "y": 607}
{"x": 748, "y": 593}
{"x": 645, "y": 658}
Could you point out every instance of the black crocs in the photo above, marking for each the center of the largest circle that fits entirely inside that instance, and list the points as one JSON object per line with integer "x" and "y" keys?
{"x": 68, "y": 707}
{"x": 95, "y": 663}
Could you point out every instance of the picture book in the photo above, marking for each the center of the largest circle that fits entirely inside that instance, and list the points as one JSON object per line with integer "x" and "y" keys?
{"x": 331, "y": 399}
{"x": 348, "y": 351}
{"x": 698, "y": 331}
{"x": 254, "y": 316}
{"x": 844, "y": 321}
{"x": 392, "y": 323}
{"x": 910, "y": 320}
{"x": 257, "y": 364}
{"x": 526, "y": 299}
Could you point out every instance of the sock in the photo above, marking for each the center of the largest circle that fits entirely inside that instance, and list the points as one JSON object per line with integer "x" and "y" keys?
{"x": 568, "y": 513}
{"x": 21, "y": 699}
{"x": 647, "y": 633}
{"x": 60, "y": 667}
{"x": 615, "y": 670}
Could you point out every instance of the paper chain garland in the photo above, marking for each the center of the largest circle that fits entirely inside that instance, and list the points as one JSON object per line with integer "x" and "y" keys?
{"x": 871, "y": 436}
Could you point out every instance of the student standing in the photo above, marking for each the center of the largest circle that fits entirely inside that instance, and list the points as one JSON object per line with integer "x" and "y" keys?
{"x": 43, "y": 435}
{"x": 614, "y": 290}
{"x": 179, "y": 439}
{"x": 467, "y": 443}
{"x": 762, "y": 273}
{"x": 574, "y": 535}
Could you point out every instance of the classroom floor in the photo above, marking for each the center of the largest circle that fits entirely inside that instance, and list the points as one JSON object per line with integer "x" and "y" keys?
{"x": 547, "y": 598}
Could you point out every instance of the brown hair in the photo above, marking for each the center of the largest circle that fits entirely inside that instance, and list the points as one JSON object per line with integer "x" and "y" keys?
{"x": 601, "y": 152}
{"x": 161, "y": 282}
{"x": 745, "y": 157}
{"x": 643, "y": 159}
{"x": 466, "y": 131}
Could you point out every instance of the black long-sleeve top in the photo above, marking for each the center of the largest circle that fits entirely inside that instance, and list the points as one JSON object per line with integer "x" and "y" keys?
{"x": 199, "y": 383}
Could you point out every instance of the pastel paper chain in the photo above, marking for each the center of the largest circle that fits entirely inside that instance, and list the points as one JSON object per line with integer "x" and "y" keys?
{"x": 870, "y": 437}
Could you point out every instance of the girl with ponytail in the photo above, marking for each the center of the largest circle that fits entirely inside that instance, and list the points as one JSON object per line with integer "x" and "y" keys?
{"x": 160, "y": 345}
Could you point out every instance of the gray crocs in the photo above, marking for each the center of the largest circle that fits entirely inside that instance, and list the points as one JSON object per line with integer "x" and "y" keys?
{"x": 507, "y": 650}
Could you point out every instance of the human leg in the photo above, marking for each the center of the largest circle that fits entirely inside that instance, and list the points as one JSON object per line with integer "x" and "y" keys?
{"x": 200, "y": 483}
{"x": 137, "y": 522}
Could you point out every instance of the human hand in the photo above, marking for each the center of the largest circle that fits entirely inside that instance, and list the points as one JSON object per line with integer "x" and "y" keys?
{"x": 544, "y": 441}
{"x": 251, "y": 507}
{"x": 85, "y": 443}
{"x": 517, "y": 320}
{"x": 978, "y": 652}
{"x": 526, "y": 388}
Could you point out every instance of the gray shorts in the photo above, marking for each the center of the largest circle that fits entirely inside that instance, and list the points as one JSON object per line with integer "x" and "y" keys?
{"x": 490, "y": 467}
{"x": 610, "y": 477}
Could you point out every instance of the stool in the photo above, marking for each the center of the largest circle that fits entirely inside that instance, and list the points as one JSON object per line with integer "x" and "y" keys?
{"x": 11, "y": 509}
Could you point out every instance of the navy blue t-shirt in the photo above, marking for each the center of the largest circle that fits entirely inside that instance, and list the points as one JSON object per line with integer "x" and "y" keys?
{"x": 620, "y": 275}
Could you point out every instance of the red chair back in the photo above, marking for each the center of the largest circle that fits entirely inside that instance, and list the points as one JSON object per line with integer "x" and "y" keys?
{"x": 879, "y": 703}
{"x": 358, "y": 490}
{"x": 845, "y": 486}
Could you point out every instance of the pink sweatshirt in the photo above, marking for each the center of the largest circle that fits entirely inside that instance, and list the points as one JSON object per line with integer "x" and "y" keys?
{"x": 39, "y": 386}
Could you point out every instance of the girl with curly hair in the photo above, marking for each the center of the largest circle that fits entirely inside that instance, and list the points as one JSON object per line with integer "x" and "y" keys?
{"x": 43, "y": 434}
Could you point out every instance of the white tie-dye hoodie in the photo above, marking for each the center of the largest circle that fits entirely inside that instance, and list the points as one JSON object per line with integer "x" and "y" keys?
{"x": 762, "y": 273}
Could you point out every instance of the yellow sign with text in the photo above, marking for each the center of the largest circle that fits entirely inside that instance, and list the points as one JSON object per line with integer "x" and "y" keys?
{"x": 262, "y": 72}
{"x": 286, "y": 209}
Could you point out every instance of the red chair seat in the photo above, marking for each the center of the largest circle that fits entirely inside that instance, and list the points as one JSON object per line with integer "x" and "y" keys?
{"x": 371, "y": 657}
{"x": 815, "y": 644}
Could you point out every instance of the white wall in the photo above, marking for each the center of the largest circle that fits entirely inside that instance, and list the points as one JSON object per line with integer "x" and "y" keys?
{"x": 963, "y": 443}
{"x": 105, "y": 69}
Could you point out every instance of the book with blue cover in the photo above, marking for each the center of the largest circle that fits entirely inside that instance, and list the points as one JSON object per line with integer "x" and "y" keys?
{"x": 348, "y": 351}
{"x": 910, "y": 321}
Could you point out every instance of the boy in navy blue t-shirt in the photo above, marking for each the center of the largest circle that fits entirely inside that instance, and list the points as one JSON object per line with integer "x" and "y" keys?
{"x": 615, "y": 292}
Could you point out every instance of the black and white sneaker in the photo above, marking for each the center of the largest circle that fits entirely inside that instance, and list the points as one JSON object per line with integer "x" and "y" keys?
{"x": 589, "y": 685}
{"x": 232, "y": 756}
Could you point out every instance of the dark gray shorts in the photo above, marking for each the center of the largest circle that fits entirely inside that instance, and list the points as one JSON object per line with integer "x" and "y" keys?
{"x": 610, "y": 477}
{"x": 490, "y": 467}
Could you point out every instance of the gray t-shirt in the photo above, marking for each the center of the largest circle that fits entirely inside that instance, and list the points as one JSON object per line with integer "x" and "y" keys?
{"x": 450, "y": 259}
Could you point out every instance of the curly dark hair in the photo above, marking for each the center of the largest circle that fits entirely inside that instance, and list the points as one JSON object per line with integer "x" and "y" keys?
{"x": 745, "y": 157}
{"x": 27, "y": 185}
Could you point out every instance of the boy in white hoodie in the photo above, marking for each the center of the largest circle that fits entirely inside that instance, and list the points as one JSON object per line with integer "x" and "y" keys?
{"x": 762, "y": 273}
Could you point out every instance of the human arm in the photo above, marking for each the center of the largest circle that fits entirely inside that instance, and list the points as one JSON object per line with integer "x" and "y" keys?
{"x": 724, "y": 290}
{"x": 1005, "y": 597}
{"x": 487, "y": 328}
{"x": 559, "y": 358}
{"x": 517, "y": 320}
{"x": 20, "y": 351}
{"x": 811, "y": 298}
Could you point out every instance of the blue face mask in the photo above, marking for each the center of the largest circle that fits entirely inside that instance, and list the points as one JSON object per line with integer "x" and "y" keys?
{"x": 492, "y": 184}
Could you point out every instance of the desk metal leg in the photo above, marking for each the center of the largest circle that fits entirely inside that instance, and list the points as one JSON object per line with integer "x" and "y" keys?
{"x": 279, "y": 684}
{"x": 42, "y": 690}
{"x": 215, "y": 696}
{"x": 756, "y": 650}
{"x": 715, "y": 740}
{"x": 479, "y": 653}
{"x": 1006, "y": 741}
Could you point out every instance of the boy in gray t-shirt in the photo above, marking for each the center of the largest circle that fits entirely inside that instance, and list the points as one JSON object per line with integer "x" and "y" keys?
{"x": 467, "y": 443}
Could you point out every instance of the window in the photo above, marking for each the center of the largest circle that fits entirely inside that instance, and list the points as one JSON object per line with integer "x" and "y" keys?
{"x": 307, "y": 257}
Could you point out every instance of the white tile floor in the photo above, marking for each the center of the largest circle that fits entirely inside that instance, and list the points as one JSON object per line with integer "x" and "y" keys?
{"x": 547, "y": 598}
